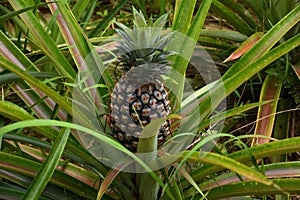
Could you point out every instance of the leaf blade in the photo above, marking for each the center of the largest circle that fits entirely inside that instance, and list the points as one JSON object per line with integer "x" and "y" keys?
{"x": 43, "y": 177}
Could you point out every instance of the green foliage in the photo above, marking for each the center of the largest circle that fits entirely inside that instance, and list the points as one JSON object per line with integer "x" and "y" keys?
{"x": 45, "y": 50}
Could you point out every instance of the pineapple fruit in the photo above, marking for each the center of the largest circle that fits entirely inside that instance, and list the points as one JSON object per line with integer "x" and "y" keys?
{"x": 140, "y": 95}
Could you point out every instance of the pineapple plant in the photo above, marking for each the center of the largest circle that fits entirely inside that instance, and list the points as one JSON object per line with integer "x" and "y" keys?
{"x": 140, "y": 95}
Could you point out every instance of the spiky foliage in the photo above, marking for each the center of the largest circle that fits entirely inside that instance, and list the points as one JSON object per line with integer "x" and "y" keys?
{"x": 140, "y": 96}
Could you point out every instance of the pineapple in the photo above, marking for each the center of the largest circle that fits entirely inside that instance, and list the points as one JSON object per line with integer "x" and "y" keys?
{"x": 140, "y": 95}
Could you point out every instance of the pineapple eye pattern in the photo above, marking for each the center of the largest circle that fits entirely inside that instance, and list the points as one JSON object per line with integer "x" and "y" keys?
{"x": 133, "y": 109}
{"x": 142, "y": 107}
{"x": 145, "y": 98}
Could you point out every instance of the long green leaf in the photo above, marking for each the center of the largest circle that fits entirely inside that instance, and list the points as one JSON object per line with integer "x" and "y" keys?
{"x": 30, "y": 168}
{"x": 13, "y": 112}
{"x": 288, "y": 186}
{"x": 15, "y": 13}
{"x": 42, "y": 122}
{"x": 239, "y": 76}
{"x": 187, "y": 176}
{"x": 183, "y": 15}
{"x": 274, "y": 170}
{"x": 182, "y": 23}
{"x": 82, "y": 50}
{"x": 216, "y": 44}
{"x": 261, "y": 63}
{"x": 266, "y": 42}
{"x": 17, "y": 113}
{"x": 7, "y": 192}
{"x": 102, "y": 137}
{"x": 241, "y": 11}
{"x": 48, "y": 168}
{"x": 100, "y": 26}
{"x": 271, "y": 89}
{"x": 228, "y": 163}
{"x": 36, "y": 142}
{"x": 44, "y": 41}
{"x": 12, "y": 53}
{"x": 256, "y": 7}
{"x": 224, "y": 34}
{"x": 18, "y": 182}
{"x": 111, "y": 175}
{"x": 230, "y": 113}
{"x": 296, "y": 69}
{"x": 9, "y": 50}
{"x": 37, "y": 84}
{"x": 260, "y": 151}
{"x": 231, "y": 17}
{"x": 10, "y": 77}
{"x": 244, "y": 47}
{"x": 15, "y": 19}
{"x": 1, "y": 125}
{"x": 192, "y": 29}
{"x": 79, "y": 8}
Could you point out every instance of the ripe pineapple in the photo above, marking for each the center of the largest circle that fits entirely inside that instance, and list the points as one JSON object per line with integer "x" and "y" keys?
{"x": 140, "y": 95}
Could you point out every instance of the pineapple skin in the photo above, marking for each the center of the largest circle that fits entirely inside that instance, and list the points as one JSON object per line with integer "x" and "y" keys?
{"x": 138, "y": 98}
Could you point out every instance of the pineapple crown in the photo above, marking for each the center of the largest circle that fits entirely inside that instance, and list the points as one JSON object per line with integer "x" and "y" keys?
{"x": 144, "y": 43}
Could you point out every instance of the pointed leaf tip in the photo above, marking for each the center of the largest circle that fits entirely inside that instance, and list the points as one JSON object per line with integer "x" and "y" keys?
{"x": 161, "y": 21}
{"x": 246, "y": 45}
{"x": 139, "y": 19}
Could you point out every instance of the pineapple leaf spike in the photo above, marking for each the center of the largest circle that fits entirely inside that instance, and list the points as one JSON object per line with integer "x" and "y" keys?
{"x": 139, "y": 19}
{"x": 144, "y": 43}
